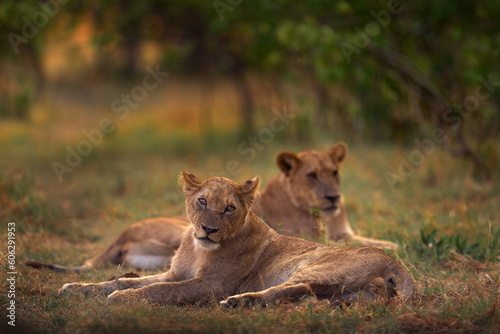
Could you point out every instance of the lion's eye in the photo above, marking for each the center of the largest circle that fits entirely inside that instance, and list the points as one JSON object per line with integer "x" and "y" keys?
{"x": 202, "y": 201}
{"x": 335, "y": 173}
{"x": 230, "y": 208}
{"x": 312, "y": 175}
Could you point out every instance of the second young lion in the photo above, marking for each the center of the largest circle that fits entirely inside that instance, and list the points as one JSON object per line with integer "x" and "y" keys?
{"x": 304, "y": 199}
{"x": 229, "y": 254}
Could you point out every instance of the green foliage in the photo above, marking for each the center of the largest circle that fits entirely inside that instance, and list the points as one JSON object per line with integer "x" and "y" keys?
{"x": 431, "y": 246}
{"x": 404, "y": 66}
{"x": 279, "y": 227}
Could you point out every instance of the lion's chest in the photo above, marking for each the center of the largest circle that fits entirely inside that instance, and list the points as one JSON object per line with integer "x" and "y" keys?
{"x": 187, "y": 264}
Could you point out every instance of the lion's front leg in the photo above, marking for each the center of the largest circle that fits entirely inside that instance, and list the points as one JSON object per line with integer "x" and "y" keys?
{"x": 275, "y": 295}
{"x": 120, "y": 296}
{"x": 185, "y": 292}
{"x": 106, "y": 288}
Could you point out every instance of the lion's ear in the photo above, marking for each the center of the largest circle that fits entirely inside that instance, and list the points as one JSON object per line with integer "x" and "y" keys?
{"x": 249, "y": 189}
{"x": 338, "y": 152}
{"x": 191, "y": 182}
{"x": 287, "y": 161}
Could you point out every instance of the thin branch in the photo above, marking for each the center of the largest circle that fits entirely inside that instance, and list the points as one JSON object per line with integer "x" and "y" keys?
{"x": 431, "y": 96}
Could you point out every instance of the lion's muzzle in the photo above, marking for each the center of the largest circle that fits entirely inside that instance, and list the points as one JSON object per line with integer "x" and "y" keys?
{"x": 208, "y": 234}
{"x": 209, "y": 230}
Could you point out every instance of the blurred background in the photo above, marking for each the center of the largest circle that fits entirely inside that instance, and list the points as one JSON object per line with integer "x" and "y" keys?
{"x": 102, "y": 103}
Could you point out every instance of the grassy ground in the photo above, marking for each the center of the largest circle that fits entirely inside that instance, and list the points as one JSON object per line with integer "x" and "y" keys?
{"x": 133, "y": 174}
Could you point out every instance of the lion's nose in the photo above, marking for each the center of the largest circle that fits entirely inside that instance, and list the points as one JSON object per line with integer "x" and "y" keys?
{"x": 332, "y": 198}
{"x": 209, "y": 230}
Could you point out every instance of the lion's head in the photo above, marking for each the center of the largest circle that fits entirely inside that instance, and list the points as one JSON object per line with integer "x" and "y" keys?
{"x": 217, "y": 207}
{"x": 312, "y": 178}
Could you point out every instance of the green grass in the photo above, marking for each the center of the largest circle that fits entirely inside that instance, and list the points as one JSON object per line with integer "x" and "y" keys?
{"x": 133, "y": 175}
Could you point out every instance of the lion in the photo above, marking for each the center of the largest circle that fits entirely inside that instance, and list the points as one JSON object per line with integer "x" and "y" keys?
{"x": 230, "y": 255}
{"x": 146, "y": 245}
{"x": 304, "y": 199}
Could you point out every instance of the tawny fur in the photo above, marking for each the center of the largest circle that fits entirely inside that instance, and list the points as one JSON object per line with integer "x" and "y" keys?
{"x": 293, "y": 202}
{"x": 147, "y": 245}
{"x": 305, "y": 198}
{"x": 230, "y": 254}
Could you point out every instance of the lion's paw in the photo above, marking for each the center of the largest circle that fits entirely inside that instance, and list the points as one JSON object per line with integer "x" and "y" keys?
{"x": 87, "y": 289}
{"x": 229, "y": 303}
{"x": 121, "y": 296}
{"x": 76, "y": 288}
{"x": 236, "y": 300}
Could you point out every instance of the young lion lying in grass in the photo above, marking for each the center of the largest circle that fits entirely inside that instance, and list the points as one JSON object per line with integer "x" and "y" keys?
{"x": 302, "y": 200}
{"x": 230, "y": 254}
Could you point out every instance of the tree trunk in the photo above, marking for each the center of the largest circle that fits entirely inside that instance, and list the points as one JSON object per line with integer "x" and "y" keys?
{"x": 247, "y": 104}
{"x": 322, "y": 101}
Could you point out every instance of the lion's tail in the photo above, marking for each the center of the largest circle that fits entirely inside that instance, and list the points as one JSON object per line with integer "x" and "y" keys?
{"x": 55, "y": 267}
{"x": 112, "y": 254}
